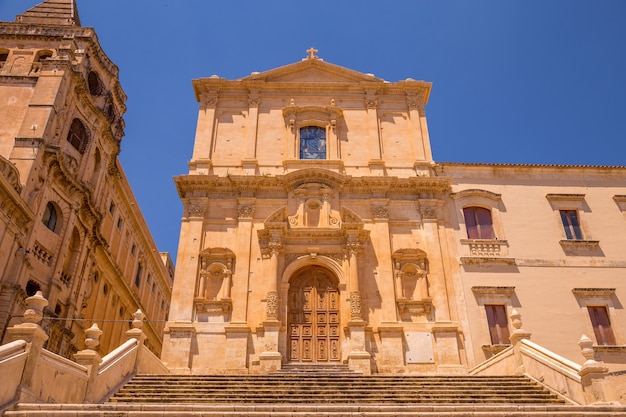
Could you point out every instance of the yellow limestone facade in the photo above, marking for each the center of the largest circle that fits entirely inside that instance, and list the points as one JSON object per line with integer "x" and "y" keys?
{"x": 70, "y": 226}
{"x": 317, "y": 229}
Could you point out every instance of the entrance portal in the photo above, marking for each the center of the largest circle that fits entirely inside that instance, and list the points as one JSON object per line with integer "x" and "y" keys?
{"x": 313, "y": 318}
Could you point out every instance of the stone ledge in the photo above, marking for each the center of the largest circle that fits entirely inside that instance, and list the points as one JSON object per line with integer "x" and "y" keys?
{"x": 477, "y": 260}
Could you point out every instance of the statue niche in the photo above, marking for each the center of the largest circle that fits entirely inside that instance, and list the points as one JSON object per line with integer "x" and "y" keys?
{"x": 412, "y": 289}
{"x": 212, "y": 295}
{"x": 313, "y": 208}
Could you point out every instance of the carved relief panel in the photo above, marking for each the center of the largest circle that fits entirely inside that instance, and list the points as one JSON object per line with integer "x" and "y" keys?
{"x": 314, "y": 208}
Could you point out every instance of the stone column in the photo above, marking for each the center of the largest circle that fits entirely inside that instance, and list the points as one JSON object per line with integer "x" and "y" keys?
{"x": 271, "y": 359}
{"x": 358, "y": 357}
{"x": 203, "y": 144}
{"x": 253, "y": 114}
{"x": 445, "y": 331}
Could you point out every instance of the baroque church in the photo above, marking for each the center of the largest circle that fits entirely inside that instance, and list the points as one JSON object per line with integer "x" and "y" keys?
{"x": 319, "y": 237}
{"x": 318, "y": 229}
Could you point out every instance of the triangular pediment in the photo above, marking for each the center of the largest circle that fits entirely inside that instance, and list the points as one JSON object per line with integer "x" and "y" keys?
{"x": 312, "y": 70}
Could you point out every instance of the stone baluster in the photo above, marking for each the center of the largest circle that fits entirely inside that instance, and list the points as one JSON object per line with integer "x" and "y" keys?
{"x": 31, "y": 332}
{"x": 516, "y": 338}
{"x": 90, "y": 359}
{"x": 592, "y": 374}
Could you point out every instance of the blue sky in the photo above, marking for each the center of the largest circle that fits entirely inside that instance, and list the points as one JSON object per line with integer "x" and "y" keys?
{"x": 513, "y": 81}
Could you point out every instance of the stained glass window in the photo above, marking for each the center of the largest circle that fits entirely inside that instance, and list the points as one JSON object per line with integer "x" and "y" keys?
{"x": 312, "y": 142}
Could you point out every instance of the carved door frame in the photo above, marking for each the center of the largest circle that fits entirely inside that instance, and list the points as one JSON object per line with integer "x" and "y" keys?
{"x": 314, "y": 316}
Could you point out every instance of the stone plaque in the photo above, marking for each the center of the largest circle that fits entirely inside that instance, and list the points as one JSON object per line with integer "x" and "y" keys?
{"x": 419, "y": 347}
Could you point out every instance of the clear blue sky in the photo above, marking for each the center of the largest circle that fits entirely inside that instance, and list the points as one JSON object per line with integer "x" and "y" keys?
{"x": 513, "y": 81}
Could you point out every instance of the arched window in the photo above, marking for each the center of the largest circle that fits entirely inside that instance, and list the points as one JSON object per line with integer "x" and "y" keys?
{"x": 50, "y": 217}
{"x": 96, "y": 87}
{"x": 478, "y": 223}
{"x": 78, "y": 136}
{"x": 312, "y": 142}
{"x": 41, "y": 55}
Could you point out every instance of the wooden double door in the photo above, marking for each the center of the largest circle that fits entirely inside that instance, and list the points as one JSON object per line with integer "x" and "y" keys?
{"x": 313, "y": 317}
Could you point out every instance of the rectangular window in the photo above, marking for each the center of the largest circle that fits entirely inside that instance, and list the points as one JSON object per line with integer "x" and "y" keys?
{"x": 112, "y": 208}
{"x": 601, "y": 325}
{"x": 120, "y": 223}
{"x": 571, "y": 224}
{"x": 138, "y": 276}
{"x": 498, "y": 324}
{"x": 478, "y": 223}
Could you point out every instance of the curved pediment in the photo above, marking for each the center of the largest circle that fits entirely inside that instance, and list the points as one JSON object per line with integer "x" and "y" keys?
{"x": 331, "y": 179}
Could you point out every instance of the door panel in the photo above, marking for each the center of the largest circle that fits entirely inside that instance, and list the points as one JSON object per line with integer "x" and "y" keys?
{"x": 314, "y": 317}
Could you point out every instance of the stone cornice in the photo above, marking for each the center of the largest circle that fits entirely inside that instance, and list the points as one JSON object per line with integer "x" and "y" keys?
{"x": 238, "y": 185}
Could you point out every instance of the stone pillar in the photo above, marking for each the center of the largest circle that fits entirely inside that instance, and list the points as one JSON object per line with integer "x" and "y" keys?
{"x": 271, "y": 359}
{"x": 203, "y": 144}
{"x": 392, "y": 355}
{"x": 253, "y": 114}
{"x": 358, "y": 357}
{"x": 31, "y": 332}
{"x": 375, "y": 149}
{"x": 385, "y": 270}
{"x": 592, "y": 374}
{"x": 434, "y": 246}
{"x": 91, "y": 360}
{"x": 179, "y": 333}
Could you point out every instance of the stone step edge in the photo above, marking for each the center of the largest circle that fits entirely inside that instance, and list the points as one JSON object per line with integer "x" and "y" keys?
{"x": 316, "y": 407}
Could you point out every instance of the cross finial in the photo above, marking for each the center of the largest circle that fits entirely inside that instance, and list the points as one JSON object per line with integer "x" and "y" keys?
{"x": 312, "y": 53}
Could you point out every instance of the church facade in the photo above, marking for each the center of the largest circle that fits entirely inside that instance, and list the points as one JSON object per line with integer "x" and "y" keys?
{"x": 318, "y": 229}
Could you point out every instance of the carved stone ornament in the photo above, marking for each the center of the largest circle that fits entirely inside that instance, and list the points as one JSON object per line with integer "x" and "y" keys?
{"x": 196, "y": 210}
{"x": 380, "y": 212}
{"x": 355, "y": 305}
{"x": 428, "y": 212}
{"x": 353, "y": 247}
{"x": 272, "y": 305}
{"x": 245, "y": 212}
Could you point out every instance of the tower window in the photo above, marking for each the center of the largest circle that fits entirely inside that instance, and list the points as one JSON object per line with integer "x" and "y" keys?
{"x": 96, "y": 87}
{"x": 49, "y": 218}
{"x": 138, "y": 276}
{"x": 32, "y": 287}
{"x": 78, "y": 136}
{"x": 478, "y": 223}
{"x": 312, "y": 142}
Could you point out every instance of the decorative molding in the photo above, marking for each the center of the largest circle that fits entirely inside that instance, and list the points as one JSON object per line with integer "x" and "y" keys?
{"x": 580, "y": 244}
{"x": 475, "y": 192}
{"x": 272, "y": 305}
{"x": 245, "y": 212}
{"x": 565, "y": 197}
{"x": 355, "y": 305}
{"x": 593, "y": 292}
{"x": 476, "y": 260}
{"x": 490, "y": 290}
{"x": 380, "y": 212}
{"x": 415, "y": 307}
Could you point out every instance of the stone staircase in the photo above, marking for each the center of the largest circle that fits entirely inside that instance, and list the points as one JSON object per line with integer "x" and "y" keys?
{"x": 325, "y": 391}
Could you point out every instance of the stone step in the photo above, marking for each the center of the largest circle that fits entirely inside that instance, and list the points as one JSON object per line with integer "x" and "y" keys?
{"x": 340, "y": 389}
{"x": 310, "y": 410}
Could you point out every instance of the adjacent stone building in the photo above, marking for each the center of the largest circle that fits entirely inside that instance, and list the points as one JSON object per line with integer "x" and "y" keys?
{"x": 69, "y": 223}
{"x": 318, "y": 229}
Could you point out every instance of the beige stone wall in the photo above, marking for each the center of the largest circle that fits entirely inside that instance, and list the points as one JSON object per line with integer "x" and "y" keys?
{"x": 540, "y": 266}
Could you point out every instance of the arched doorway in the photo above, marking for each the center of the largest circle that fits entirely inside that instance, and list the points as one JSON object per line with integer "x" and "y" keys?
{"x": 313, "y": 316}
